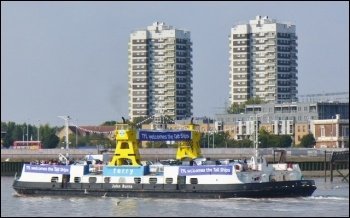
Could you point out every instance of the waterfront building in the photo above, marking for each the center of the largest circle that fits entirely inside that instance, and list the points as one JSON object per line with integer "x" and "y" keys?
{"x": 263, "y": 61}
{"x": 292, "y": 119}
{"x": 160, "y": 72}
{"x": 331, "y": 133}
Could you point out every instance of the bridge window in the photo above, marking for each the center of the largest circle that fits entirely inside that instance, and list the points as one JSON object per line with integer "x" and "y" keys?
{"x": 153, "y": 180}
{"x": 107, "y": 179}
{"x": 124, "y": 145}
{"x": 137, "y": 180}
{"x": 92, "y": 180}
{"x": 54, "y": 179}
{"x": 169, "y": 180}
{"x": 194, "y": 181}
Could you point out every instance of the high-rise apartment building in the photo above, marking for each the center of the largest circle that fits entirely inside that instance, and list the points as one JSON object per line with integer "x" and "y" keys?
{"x": 263, "y": 61}
{"x": 160, "y": 72}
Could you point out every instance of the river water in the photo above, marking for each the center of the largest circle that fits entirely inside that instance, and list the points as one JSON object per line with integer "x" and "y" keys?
{"x": 329, "y": 200}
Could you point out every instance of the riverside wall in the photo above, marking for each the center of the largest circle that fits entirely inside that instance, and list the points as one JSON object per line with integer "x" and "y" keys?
{"x": 293, "y": 154}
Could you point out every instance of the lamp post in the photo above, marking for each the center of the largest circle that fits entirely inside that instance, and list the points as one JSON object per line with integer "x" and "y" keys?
{"x": 23, "y": 134}
{"x": 38, "y": 130}
{"x": 27, "y": 132}
{"x": 257, "y": 132}
{"x": 76, "y": 134}
{"x": 342, "y": 144}
{"x": 208, "y": 138}
{"x": 332, "y": 133}
{"x": 213, "y": 137}
{"x": 208, "y": 130}
{"x": 214, "y": 129}
{"x": 66, "y": 118}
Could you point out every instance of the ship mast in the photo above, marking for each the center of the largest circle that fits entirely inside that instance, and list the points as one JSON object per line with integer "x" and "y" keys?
{"x": 256, "y": 141}
{"x": 256, "y": 135}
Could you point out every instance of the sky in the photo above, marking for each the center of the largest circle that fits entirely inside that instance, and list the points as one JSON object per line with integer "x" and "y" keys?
{"x": 71, "y": 58}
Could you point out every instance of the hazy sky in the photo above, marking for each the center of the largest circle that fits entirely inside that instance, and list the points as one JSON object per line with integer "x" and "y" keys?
{"x": 71, "y": 58}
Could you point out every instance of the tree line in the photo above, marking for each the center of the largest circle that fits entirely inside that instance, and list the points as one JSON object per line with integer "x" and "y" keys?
{"x": 48, "y": 136}
{"x": 221, "y": 139}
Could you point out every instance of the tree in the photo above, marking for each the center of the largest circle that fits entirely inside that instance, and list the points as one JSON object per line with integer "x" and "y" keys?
{"x": 48, "y": 136}
{"x": 244, "y": 143}
{"x": 308, "y": 141}
{"x": 235, "y": 108}
{"x": 157, "y": 144}
{"x": 264, "y": 138}
{"x": 221, "y": 139}
{"x": 285, "y": 141}
{"x": 9, "y": 128}
{"x": 268, "y": 140}
{"x": 52, "y": 141}
{"x": 254, "y": 100}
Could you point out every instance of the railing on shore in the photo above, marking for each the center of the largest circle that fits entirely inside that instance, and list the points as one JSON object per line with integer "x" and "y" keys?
{"x": 167, "y": 153}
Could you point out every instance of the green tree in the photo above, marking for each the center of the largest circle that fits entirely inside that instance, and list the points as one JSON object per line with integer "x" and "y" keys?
{"x": 52, "y": 141}
{"x": 268, "y": 140}
{"x": 285, "y": 141}
{"x": 221, "y": 139}
{"x": 9, "y": 129}
{"x": 264, "y": 138}
{"x": 308, "y": 141}
{"x": 48, "y": 136}
{"x": 235, "y": 108}
{"x": 230, "y": 143}
{"x": 254, "y": 100}
{"x": 156, "y": 144}
{"x": 244, "y": 143}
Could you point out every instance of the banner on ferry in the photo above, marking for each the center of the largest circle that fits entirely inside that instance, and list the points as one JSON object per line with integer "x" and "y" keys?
{"x": 125, "y": 170}
{"x": 54, "y": 169}
{"x": 205, "y": 170}
{"x": 165, "y": 136}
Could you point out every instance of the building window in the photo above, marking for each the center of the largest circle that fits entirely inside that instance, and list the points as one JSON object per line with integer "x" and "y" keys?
{"x": 345, "y": 131}
{"x": 322, "y": 131}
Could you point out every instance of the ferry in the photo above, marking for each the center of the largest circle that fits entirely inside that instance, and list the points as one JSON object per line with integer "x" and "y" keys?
{"x": 190, "y": 176}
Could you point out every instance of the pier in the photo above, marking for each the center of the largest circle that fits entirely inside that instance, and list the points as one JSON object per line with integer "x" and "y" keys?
{"x": 338, "y": 158}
